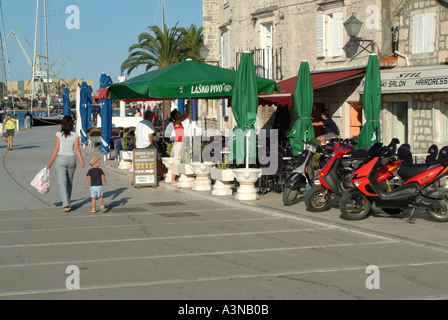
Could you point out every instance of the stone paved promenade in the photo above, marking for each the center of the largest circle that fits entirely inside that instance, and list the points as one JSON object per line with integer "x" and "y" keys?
{"x": 164, "y": 243}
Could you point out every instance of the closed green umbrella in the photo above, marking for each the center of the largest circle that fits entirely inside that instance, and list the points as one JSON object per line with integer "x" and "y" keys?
{"x": 371, "y": 103}
{"x": 244, "y": 107}
{"x": 303, "y": 102}
{"x": 187, "y": 79}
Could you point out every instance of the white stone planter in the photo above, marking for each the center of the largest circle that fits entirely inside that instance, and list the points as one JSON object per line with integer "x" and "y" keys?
{"x": 202, "y": 172}
{"x": 131, "y": 158}
{"x": 223, "y": 181}
{"x": 168, "y": 162}
{"x": 186, "y": 178}
{"x": 247, "y": 179}
{"x": 125, "y": 161}
{"x": 124, "y": 155}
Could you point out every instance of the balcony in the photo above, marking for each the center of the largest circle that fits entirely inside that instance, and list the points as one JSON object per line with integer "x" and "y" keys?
{"x": 268, "y": 62}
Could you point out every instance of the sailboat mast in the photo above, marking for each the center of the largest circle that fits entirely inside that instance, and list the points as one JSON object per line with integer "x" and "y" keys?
{"x": 163, "y": 21}
{"x": 34, "y": 58}
{"x": 46, "y": 55}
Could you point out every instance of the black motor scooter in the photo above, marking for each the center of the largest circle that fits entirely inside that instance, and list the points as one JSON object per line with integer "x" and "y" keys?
{"x": 303, "y": 173}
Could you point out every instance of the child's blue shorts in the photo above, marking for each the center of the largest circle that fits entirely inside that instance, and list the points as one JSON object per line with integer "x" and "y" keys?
{"x": 96, "y": 191}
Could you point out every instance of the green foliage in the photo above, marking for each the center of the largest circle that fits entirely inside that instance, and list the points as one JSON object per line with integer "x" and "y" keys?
{"x": 169, "y": 148}
{"x": 315, "y": 161}
{"x": 164, "y": 48}
{"x": 124, "y": 141}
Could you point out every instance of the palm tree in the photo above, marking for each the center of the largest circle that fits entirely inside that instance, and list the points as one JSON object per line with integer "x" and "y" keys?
{"x": 193, "y": 41}
{"x": 159, "y": 50}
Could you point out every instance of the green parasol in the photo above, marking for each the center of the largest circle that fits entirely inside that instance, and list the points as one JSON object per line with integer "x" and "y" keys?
{"x": 303, "y": 101}
{"x": 244, "y": 107}
{"x": 371, "y": 103}
{"x": 187, "y": 79}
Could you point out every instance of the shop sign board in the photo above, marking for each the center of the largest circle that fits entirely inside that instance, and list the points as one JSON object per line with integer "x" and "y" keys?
{"x": 414, "y": 79}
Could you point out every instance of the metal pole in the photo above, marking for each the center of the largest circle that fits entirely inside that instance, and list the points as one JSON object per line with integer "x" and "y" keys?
{"x": 46, "y": 54}
{"x": 34, "y": 58}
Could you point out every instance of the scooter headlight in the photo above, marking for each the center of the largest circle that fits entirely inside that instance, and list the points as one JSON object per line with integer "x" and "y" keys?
{"x": 357, "y": 183}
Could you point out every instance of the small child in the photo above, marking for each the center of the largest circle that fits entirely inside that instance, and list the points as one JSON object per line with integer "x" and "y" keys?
{"x": 94, "y": 176}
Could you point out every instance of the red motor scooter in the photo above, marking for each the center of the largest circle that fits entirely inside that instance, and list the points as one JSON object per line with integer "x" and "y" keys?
{"x": 414, "y": 191}
{"x": 332, "y": 178}
{"x": 335, "y": 178}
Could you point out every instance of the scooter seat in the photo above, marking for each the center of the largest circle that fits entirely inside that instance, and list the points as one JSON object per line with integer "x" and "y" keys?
{"x": 408, "y": 171}
{"x": 351, "y": 162}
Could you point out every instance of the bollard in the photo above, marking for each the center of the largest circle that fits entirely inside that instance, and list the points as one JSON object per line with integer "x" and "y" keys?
{"x": 17, "y": 124}
{"x": 1, "y": 128}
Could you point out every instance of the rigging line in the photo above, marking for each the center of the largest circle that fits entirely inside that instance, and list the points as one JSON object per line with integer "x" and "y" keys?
{"x": 155, "y": 18}
{"x": 4, "y": 165}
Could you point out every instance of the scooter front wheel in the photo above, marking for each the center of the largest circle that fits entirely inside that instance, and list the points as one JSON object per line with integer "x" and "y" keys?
{"x": 355, "y": 206}
{"x": 289, "y": 195}
{"x": 318, "y": 199}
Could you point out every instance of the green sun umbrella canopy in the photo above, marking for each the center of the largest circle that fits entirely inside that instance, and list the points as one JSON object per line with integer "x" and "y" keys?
{"x": 244, "y": 107}
{"x": 371, "y": 103}
{"x": 187, "y": 79}
{"x": 303, "y": 103}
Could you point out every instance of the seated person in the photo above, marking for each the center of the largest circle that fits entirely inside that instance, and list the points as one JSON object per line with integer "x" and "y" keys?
{"x": 332, "y": 130}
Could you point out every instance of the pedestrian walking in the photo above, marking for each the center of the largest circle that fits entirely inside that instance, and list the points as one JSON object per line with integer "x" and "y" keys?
{"x": 96, "y": 176}
{"x": 67, "y": 145}
{"x": 10, "y": 125}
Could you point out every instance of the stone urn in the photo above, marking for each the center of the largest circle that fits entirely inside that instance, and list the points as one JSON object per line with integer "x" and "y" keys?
{"x": 224, "y": 179}
{"x": 125, "y": 161}
{"x": 131, "y": 158}
{"x": 168, "y": 162}
{"x": 202, "y": 173}
{"x": 186, "y": 178}
{"x": 247, "y": 178}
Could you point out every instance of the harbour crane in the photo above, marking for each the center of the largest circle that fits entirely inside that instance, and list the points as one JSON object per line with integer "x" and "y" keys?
{"x": 40, "y": 74}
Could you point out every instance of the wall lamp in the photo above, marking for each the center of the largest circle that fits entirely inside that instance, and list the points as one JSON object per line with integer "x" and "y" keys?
{"x": 352, "y": 27}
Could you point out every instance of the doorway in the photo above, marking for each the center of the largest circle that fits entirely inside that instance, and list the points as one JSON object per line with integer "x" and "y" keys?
{"x": 355, "y": 119}
{"x": 400, "y": 121}
{"x": 317, "y": 116}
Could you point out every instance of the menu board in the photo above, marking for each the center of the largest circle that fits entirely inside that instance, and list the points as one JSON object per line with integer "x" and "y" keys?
{"x": 145, "y": 167}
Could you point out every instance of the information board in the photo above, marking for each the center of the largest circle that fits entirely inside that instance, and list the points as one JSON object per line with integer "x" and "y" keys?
{"x": 145, "y": 167}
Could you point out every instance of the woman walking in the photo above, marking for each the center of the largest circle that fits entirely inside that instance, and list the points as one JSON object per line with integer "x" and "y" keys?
{"x": 67, "y": 144}
{"x": 10, "y": 125}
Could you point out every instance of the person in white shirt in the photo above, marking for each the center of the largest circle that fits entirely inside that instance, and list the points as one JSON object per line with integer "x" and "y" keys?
{"x": 144, "y": 137}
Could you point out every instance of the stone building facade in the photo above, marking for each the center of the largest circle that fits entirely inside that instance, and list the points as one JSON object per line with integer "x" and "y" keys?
{"x": 417, "y": 112}
{"x": 282, "y": 33}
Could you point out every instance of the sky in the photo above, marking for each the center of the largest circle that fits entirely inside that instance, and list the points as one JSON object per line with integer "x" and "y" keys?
{"x": 107, "y": 28}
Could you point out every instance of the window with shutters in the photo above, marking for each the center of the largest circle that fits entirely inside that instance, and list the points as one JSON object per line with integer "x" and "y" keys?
{"x": 224, "y": 51}
{"x": 330, "y": 35}
{"x": 423, "y": 33}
